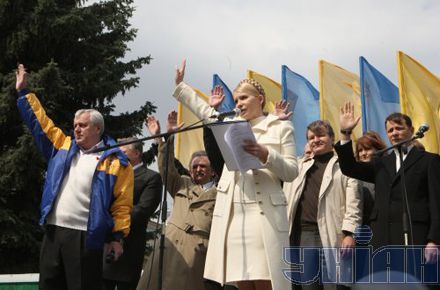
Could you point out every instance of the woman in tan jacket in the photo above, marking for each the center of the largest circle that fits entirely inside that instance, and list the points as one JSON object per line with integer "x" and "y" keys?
{"x": 249, "y": 227}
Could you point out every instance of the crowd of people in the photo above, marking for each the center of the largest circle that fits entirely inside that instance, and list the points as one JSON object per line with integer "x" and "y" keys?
{"x": 228, "y": 228}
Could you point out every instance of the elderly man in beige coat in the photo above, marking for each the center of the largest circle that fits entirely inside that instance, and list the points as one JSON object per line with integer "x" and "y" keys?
{"x": 324, "y": 206}
{"x": 188, "y": 229}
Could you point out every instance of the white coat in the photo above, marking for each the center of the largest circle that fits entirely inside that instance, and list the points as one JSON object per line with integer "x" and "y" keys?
{"x": 281, "y": 165}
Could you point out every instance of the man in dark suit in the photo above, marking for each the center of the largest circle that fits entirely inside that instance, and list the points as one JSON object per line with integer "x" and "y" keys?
{"x": 422, "y": 175}
{"x": 125, "y": 272}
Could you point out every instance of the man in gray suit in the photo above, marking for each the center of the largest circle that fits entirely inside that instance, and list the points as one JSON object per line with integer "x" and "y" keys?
{"x": 125, "y": 272}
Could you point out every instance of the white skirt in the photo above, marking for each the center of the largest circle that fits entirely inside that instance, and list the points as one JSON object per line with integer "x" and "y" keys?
{"x": 245, "y": 253}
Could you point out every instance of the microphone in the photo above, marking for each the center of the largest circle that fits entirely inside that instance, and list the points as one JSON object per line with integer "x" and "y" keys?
{"x": 422, "y": 129}
{"x": 220, "y": 116}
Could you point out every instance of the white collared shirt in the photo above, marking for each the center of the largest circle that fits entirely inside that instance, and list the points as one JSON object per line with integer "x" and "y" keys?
{"x": 404, "y": 156}
{"x": 208, "y": 185}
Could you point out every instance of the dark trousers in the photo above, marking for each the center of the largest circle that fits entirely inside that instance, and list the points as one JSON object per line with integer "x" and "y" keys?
{"x": 65, "y": 263}
{"x": 308, "y": 236}
{"x": 112, "y": 284}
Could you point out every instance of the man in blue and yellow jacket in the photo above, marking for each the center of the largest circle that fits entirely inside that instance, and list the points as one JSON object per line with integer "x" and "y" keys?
{"x": 87, "y": 197}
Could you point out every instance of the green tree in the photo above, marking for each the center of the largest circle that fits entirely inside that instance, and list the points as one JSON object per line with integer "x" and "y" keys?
{"x": 75, "y": 54}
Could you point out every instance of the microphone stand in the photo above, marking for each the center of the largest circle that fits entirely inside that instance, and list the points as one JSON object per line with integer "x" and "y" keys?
{"x": 163, "y": 208}
{"x": 163, "y": 215}
{"x": 165, "y": 135}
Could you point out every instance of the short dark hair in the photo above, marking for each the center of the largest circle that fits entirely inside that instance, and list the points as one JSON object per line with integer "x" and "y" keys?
{"x": 399, "y": 118}
{"x": 318, "y": 126}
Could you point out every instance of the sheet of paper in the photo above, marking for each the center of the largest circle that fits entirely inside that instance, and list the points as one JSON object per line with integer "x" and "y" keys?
{"x": 230, "y": 138}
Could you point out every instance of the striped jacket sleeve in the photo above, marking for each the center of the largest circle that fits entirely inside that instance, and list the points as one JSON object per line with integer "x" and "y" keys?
{"x": 48, "y": 137}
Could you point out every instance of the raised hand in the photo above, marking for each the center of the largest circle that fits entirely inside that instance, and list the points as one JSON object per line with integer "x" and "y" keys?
{"x": 347, "y": 120}
{"x": 282, "y": 110}
{"x": 21, "y": 76}
{"x": 180, "y": 73}
{"x": 172, "y": 122}
{"x": 153, "y": 125}
{"x": 217, "y": 97}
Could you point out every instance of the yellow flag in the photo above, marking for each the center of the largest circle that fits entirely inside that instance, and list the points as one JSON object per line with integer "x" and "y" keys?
{"x": 420, "y": 98}
{"x": 338, "y": 86}
{"x": 190, "y": 141}
{"x": 271, "y": 88}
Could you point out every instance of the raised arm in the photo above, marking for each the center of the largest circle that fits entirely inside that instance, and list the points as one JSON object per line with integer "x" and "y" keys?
{"x": 211, "y": 146}
{"x": 20, "y": 78}
{"x": 213, "y": 151}
{"x": 174, "y": 180}
{"x": 347, "y": 120}
{"x": 189, "y": 98}
{"x": 48, "y": 138}
{"x": 180, "y": 73}
{"x": 348, "y": 164}
{"x": 216, "y": 98}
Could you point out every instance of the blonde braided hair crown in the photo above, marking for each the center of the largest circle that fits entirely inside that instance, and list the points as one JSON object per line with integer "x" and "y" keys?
{"x": 255, "y": 84}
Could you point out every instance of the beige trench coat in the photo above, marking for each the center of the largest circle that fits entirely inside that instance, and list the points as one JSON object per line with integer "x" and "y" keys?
{"x": 187, "y": 232}
{"x": 339, "y": 203}
{"x": 280, "y": 166}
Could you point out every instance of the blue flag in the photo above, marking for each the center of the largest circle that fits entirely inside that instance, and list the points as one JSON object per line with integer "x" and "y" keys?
{"x": 228, "y": 103}
{"x": 379, "y": 96}
{"x": 304, "y": 103}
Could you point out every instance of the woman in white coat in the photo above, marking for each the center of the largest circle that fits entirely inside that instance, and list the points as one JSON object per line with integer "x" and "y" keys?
{"x": 249, "y": 227}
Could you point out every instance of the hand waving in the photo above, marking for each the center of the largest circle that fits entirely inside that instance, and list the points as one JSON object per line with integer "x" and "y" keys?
{"x": 180, "y": 73}
{"x": 282, "y": 110}
{"x": 172, "y": 122}
{"x": 153, "y": 125}
{"x": 347, "y": 120}
{"x": 216, "y": 98}
{"x": 21, "y": 76}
